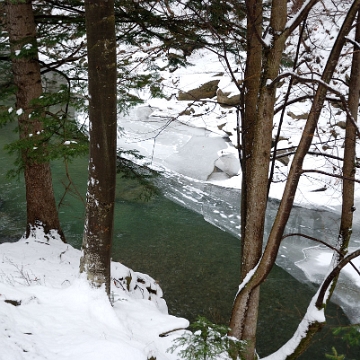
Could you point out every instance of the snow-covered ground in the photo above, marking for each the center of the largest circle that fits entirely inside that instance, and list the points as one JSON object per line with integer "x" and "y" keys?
{"x": 194, "y": 140}
{"x": 40, "y": 282}
{"x": 48, "y": 311}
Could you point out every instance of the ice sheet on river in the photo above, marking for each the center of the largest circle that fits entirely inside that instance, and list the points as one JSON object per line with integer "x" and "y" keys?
{"x": 191, "y": 151}
{"x": 302, "y": 258}
{"x": 191, "y": 156}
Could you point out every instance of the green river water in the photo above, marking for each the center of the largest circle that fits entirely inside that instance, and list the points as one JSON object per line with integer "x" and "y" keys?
{"x": 196, "y": 264}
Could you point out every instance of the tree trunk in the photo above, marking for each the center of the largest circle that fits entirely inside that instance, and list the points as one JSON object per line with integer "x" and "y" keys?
{"x": 243, "y": 319}
{"x": 269, "y": 256}
{"x": 349, "y": 162}
{"x": 98, "y": 231}
{"x": 349, "y": 166}
{"x": 259, "y": 110}
{"x": 41, "y": 205}
{"x": 251, "y": 84}
{"x": 250, "y": 254}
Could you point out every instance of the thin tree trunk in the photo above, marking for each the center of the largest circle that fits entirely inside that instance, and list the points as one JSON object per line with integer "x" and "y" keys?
{"x": 243, "y": 322}
{"x": 252, "y": 84}
{"x": 269, "y": 256}
{"x": 98, "y": 232}
{"x": 287, "y": 201}
{"x": 349, "y": 163}
{"x": 41, "y": 205}
{"x": 250, "y": 254}
{"x": 349, "y": 166}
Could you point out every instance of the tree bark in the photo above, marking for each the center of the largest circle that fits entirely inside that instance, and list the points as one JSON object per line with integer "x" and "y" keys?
{"x": 250, "y": 254}
{"x": 269, "y": 256}
{"x": 98, "y": 231}
{"x": 349, "y": 162}
{"x": 243, "y": 310}
{"x": 259, "y": 111}
{"x": 349, "y": 166}
{"x": 251, "y": 84}
{"x": 40, "y": 200}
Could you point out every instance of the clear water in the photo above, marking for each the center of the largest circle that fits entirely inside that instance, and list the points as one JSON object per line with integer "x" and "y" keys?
{"x": 196, "y": 263}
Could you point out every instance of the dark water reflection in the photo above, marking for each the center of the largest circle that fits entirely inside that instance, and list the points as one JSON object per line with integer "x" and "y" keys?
{"x": 196, "y": 264}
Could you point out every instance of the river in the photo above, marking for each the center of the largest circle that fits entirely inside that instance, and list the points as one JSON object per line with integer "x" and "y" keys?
{"x": 196, "y": 263}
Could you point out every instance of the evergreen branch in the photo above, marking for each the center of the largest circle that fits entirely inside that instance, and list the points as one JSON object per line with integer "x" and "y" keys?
{"x": 51, "y": 19}
{"x": 68, "y": 59}
{"x": 58, "y": 5}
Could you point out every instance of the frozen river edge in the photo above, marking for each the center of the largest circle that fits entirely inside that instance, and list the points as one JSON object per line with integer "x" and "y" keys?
{"x": 198, "y": 165}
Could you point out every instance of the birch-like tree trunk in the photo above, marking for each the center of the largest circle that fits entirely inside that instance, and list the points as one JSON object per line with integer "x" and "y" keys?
{"x": 100, "y": 198}
{"x": 40, "y": 200}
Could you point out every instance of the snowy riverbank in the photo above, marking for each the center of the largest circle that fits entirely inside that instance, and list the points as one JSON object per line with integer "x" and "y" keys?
{"x": 198, "y": 161}
{"x": 48, "y": 312}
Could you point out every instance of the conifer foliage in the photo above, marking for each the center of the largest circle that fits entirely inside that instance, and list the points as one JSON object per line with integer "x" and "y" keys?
{"x": 41, "y": 206}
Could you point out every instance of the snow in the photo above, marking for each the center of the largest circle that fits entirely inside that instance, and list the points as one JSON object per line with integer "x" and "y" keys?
{"x": 313, "y": 315}
{"x": 268, "y": 39}
{"x": 69, "y": 142}
{"x": 247, "y": 278}
{"x": 321, "y": 260}
{"x": 299, "y": 13}
{"x": 48, "y": 311}
{"x": 190, "y": 151}
{"x": 316, "y": 263}
{"x": 202, "y": 147}
{"x": 171, "y": 141}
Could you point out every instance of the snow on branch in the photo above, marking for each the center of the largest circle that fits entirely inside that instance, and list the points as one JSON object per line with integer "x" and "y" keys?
{"x": 247, "y": 278}
{"x": 333, "y": 274}
{"x": 301, "y": 14}
{"x": 323, "y": 83}
{"x": 352, "y": 41}
{"x": 314, "y": 316}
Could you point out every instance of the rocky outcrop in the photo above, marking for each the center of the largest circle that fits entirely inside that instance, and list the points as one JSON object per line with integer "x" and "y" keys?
{"x": 303, "y": 116}
{"x": 208, "y": 91}
{"x": 205, "y": 91}
{"x": 224, "y": 99}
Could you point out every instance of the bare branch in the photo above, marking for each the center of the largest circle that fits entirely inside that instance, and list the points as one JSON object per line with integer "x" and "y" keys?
{"x": 323, "y": 243}
{"x": 300, "y": 16}
{"x": 329, "y": 174}
{"x": 333, "y": 274}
